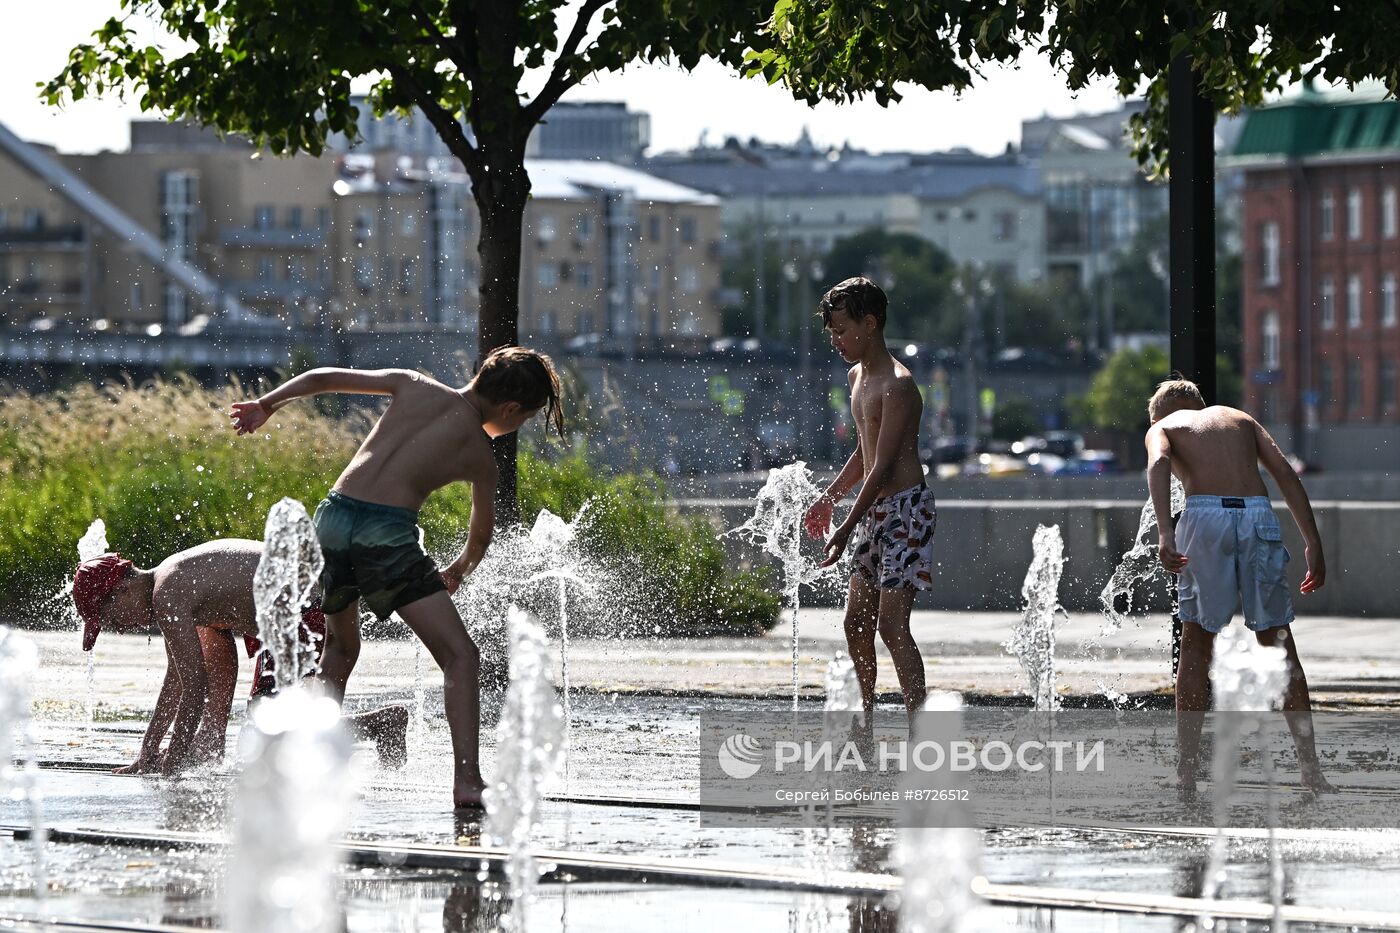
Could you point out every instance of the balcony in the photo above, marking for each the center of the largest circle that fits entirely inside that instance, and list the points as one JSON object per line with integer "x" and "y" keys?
{"x": 68, "y": 236}
{"x": 273, "y": 237}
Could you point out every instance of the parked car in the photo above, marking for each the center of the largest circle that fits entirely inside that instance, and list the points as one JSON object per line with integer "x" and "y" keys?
{"x": 950, "y": 449}
{"x": 1064, "y": 443}
{"x": 1092, "y": 463}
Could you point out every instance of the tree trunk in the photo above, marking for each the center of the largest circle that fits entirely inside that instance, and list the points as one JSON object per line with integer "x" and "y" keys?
{"x": 501, "y": 189}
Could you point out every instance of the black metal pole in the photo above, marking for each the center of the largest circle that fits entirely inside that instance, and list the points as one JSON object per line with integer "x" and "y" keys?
{"x": 1191, "y": 141}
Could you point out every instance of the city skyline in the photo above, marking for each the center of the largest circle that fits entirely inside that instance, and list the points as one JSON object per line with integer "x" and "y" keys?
{"x": 710, "y": 100}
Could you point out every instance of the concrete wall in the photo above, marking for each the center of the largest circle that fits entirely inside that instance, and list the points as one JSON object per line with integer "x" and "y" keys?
{"x": 984, "y": 547}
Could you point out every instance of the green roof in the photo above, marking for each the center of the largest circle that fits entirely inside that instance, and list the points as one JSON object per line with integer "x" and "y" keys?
{"x": 1312, "y": 125}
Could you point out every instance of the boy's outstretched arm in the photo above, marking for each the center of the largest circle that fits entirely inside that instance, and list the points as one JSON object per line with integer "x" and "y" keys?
{"x": 899, "y": 412}
{"x": 483, "y": 522}
{"x": 1159, "y": 484}
{"x": 818, "y": 518}
{"x": 148, "y": 758}
{"x": 249, "y": 416}
{"x": 1298, "y": 505}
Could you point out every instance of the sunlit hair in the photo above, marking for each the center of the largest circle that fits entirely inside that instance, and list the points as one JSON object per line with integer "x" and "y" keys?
{"x": 856, "y": 297}
{"x": 1174, "y": 394}
{"x": 515, "y": 374}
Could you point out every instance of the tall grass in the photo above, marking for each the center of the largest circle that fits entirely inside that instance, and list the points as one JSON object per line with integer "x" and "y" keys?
{"x": 161, "y": 466}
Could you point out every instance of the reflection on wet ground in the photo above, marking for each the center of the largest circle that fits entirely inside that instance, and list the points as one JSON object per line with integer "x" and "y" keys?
{"x": 638, "y": 748}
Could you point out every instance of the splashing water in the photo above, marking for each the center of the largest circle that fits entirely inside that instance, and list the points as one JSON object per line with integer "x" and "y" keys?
{"x": 843, "y": 710}
{"x": 18, "y": 661}
{"x": 528, "y": 749}
{"x": 283, "y": 586}
{"x": 1245, "y": 677}
{"x": 1032, "y": 641}
{"x": 776, "y": 526}
{"x": 555, "y": 537}
{"x": 293, "y": 804}
{"x": 92, "y": 544}
{"x": 1137, "y": 567}
{"x": 938, "y": 858}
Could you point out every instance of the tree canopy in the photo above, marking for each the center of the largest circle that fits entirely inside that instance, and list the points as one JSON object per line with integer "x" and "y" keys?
{"x": 1243, "y": 50}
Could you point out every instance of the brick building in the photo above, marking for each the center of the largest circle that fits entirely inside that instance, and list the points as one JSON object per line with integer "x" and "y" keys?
{"x": 1321, "y": 264}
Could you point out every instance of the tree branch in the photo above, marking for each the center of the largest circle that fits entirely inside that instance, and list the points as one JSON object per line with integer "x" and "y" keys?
{"x": 560, "y": 78}
{"x": 458, "y": 52}
{"x": 444, "y": 122}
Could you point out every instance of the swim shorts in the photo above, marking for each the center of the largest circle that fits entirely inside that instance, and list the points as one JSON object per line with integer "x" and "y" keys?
{"x": 1236, "y": 557}
{"x": 372, "y": 552}
{"x": 311, "y": 632}
{"x": 893, "y": 544}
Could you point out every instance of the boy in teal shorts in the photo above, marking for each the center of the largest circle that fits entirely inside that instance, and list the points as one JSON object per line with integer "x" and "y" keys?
{"x": 430, "y": 435}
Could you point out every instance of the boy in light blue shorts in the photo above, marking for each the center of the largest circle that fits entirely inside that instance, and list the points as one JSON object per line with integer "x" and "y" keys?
{"x": 1227, "y": 550}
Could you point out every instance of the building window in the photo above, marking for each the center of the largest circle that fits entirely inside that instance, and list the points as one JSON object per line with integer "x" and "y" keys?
{"x": 585, "y": 322}
{"x": 969, "y": 215}
{"x": 1327, "y": 226}
{"x": 584, "y": 274}
{"x": 654, "y": 280}
{"x": 583, "y": 228}
{"x": 1270, "y": 342}
{"x": 1388, "y": 399}
{"x": 263, "y": 216}
{"x": 1353, "y": 301}
{"x": 176, "y": 307}
{"x": 544, "y": 228}
{"x": 1270, "y": 240}
{"x": 33, "y": 219}
{"x": 690, "y": 279}
{"x": 323, "y": 218}
{"x": 547, "y": 322}
{"x": 654, "y": 229}
{"x": 294, "y": 217}
{"x": 409, "y": 223}
{"x": 407, "y": 273}
{"x": 264, "y": 269}
{"x": 1388, "y": 300}
{"x": 364, "y": 223}
{"x": 1327, "y": 301}
{"x": 1353, "y": 386}
{"x": 1354, "y": 214}
{"x": 1388, "y": 212}
{"x": 687, "y": 229}
{"x": 293, "y": 269}
{"x": 364, "y": 274}
{"x": 1325, "y": 388}
{"x": 546, "y": 275}
{"x": 1004, "y": 225}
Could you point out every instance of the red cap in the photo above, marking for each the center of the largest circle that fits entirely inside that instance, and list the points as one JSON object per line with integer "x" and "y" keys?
{"x": 92, "y": 584}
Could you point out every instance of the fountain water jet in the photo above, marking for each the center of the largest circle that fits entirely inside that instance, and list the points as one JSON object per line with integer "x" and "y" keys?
{"x": 294, "y": 791}
{"x": 528, "y": 748}
{"x": 1033, "y": 639}
{"x": 18, "y": 660}
{"x": 937, "y": 852}
{"x": 92, "y": 544}
{"x": 776, "y": 526}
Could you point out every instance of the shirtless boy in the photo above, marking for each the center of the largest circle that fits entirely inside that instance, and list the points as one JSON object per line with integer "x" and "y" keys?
{"x": 430, "y": 435}
{"x": 892, "y": 522}
{"x": 1227, "y": 550}
{"x": 200, "y": 599}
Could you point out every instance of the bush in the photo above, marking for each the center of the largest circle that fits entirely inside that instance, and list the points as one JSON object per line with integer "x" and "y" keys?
{"x": 160, "y": 465}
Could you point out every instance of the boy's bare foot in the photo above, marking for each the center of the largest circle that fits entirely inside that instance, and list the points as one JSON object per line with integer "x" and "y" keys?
{"x": 1186, "y": 785}
{"x": 469, "y": 796}
{"x": 1314, "y": 781}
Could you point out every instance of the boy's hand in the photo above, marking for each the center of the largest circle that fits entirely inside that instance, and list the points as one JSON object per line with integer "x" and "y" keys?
{"x": 1172, "y": 560}
{"x": 1317, "y": 571}
{"x": 249, "y": 416}
{"x": 817, "y": 521}
{"x": 835, "y": 546}
{"x": 452, "y": 578}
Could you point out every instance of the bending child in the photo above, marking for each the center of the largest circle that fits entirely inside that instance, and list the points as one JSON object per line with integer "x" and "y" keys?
{"x": 1227, "y": 550}
{"x": 893, "y": 518}
{"x": 429, "y": 436}
{"x": 201, "y": 599}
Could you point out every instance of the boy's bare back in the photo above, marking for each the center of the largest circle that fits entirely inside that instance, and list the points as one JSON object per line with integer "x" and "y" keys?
{"x": 1215, "y": 451}
{"x": 209, "y": 585}
{"x": 429, "y": 436}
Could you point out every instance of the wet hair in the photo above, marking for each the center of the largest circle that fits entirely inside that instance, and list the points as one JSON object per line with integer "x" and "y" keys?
{"x": 857, "y": 297}
{"x": 1174, "y": 394}
{"x": 515, "y": 374}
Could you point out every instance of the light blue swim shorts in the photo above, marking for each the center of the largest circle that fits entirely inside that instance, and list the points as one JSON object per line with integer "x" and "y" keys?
{"x": 1237, "y": 558}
